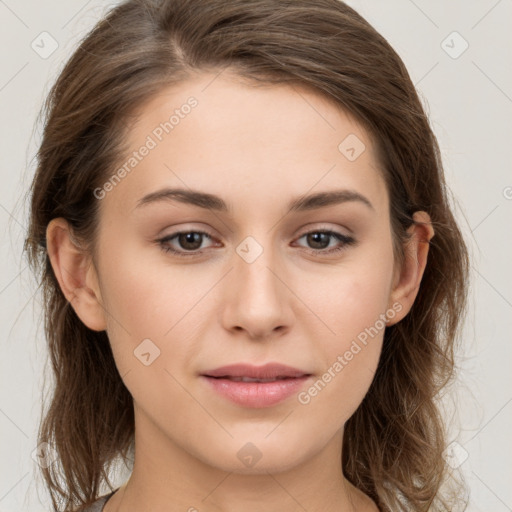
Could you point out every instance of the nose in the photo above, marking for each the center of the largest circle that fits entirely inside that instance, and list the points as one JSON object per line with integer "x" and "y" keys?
{"x": 258, "y": 299}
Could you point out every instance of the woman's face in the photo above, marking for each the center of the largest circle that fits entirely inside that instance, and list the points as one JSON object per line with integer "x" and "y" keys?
{"x": 254, "y": 281}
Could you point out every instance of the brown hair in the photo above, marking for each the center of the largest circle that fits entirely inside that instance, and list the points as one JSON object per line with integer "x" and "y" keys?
{"x": 393, "y": 443}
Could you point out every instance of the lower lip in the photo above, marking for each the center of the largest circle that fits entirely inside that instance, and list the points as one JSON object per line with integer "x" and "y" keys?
{"x": 256, "y": 394}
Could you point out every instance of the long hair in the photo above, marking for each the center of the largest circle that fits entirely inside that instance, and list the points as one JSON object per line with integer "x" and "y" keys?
{"x": 393, "y": 443}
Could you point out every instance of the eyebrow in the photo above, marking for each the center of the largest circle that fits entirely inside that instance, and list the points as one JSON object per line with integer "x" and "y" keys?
{"x": 215, "y": 203}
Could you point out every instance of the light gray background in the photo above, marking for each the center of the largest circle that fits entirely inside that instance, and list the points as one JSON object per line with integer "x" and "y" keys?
{"x": 469, "y": 99}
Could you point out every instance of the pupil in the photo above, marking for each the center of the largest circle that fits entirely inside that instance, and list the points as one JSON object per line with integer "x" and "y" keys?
{"x": 315, "y": 238}
{"x": 190, "y": 238}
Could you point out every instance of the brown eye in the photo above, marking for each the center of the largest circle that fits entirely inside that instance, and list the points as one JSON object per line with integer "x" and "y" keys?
{"x": 319, "y": 240}
{"x": 190, "y": 241}
{"x": 184, "y": 242}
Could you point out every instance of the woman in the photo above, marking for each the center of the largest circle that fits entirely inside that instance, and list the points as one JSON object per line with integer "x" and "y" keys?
{"x": 253, "y": 278}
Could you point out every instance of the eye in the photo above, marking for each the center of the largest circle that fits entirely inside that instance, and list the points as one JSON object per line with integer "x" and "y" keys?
{"x": 190, "y": 242}
{"x": 321, "y": 239}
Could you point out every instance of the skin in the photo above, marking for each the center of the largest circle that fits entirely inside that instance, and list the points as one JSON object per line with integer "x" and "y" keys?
{"x": 290, "y": 305}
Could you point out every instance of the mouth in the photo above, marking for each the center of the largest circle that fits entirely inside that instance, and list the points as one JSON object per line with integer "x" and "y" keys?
{"x": 256, "y": 387}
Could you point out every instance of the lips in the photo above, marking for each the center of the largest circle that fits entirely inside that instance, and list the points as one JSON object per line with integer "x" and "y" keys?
{"x": 256, "y": 386}
{"x": 248, "y": 373}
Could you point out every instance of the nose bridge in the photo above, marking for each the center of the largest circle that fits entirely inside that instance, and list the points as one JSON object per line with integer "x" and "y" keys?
{"x": 258, "y": 303}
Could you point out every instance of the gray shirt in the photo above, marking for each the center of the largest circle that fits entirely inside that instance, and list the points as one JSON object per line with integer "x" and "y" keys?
{"x": 98, "y": 505}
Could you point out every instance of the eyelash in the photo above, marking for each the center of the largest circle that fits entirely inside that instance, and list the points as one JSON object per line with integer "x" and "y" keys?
{"x": 346, "y": 241}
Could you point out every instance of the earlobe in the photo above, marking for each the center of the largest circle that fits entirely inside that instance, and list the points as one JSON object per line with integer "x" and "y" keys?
{"x": 75, "y": 273}
{"x": 408, "y": 279}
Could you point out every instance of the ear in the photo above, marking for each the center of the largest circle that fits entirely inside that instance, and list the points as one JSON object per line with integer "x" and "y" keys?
{"x": 407, "y": 279}
{"x": 75, "y": 273}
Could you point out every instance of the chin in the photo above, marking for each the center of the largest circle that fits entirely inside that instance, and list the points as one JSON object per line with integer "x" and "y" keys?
{"x": 259, "y": 456}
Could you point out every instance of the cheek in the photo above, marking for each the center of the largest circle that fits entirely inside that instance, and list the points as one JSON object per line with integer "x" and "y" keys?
{"x": 353, "y": 311}
{"x": 358, "y": 321}
{"x": 148, "y": 299}
{"x": 143, "y": 294}
{"x": 360, "y": 303}
{"x": 140, "y": 303}
{"x": 349, "y": 299}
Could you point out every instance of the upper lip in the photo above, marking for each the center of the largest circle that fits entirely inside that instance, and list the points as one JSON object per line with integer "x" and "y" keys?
{"x": 267, "y": 371}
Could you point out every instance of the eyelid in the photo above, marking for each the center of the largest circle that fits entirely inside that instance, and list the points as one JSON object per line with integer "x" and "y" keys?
{"x": 323, "y": 227}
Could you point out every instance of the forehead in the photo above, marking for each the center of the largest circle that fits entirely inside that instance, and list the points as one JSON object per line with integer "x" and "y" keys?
{"x": 265, "y": 142}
